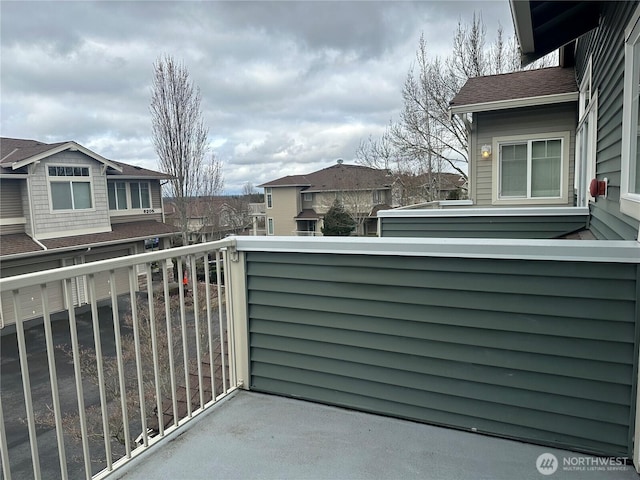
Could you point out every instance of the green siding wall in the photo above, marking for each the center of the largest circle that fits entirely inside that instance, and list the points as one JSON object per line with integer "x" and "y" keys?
{"x": 535, "y": 350}
{"x": 482, "y": 227}
{"x": 606, "y": 46}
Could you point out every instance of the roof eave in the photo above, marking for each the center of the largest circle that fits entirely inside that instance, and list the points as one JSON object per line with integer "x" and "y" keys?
{"x": 516, "y": 103}
{"x": 73, "y": 146}
{"x": 521, "y": 15}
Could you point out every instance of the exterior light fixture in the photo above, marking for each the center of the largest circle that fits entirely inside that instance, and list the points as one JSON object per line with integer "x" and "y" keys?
{"x": 486, "y": 151}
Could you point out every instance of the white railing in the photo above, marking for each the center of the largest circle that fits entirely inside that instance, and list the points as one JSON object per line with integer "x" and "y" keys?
{"x": 306, "y": 233}
{"x": 145, "y": 360}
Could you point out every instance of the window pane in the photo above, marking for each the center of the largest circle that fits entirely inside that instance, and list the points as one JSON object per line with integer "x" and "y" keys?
{"x": 60, "y": 172}
{"x": 81, "y": 195}
{"x": 135, "y": 195}
{"x": 546, "y": 168}
{"x": 144, "y": 194}
{"x": 61, "y": 196}
{"x": 52, "y": 171}
{"x": 121, "y": 190}
{"x": 513, "y": 170}
{"x": 111, "y": 191}
{"x": 85, "y": 172}
{"x": 68, "y": 171}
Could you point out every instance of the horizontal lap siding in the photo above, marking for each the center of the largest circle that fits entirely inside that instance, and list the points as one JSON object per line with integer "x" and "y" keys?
{"x": 605, "y": 45}
{"x": 483, "y": 227}
{"x": 541, "y": 351}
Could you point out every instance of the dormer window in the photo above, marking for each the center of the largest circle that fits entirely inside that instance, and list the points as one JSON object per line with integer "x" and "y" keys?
{"x": 70, "y": 187}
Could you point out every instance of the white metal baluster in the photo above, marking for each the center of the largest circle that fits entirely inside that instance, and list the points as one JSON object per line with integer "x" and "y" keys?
{"x": 4, "y": 448}
{"x": 136, "y": 341}
{"x": 100, "y": 365}
{"x": 154, "y": 350}
{"x": 196, "y": 321}
{"x": 222, "y": 349}
{"x": 185, "y": 343}
{"x": 118, "y": 344}
{"x": 75, "y": 348}
{"x": 26, "y": 384}
{"x": 53, "y": 378}
{"x": 233, "y": 378}
{"x": 207, "y": 280}
{"x": 167, "y": 311}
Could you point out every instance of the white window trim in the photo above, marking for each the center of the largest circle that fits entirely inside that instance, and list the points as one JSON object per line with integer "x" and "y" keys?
{"x": 55, "y": 179}
{"x": 268, "y": 195}
{"x": 307, "y": 197}
{"x": 130, "y": 197}
{"x": 126, "y": 191}
{"x": 565, "y": 136}
{"x": 629, "y": 201}
{"x": 591, "y": 113}
{"x": 270, "y": 223}
{"x": 585, "y": 86}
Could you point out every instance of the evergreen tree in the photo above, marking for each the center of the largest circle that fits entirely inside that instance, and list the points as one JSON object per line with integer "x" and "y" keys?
{"x": 337, "y": 222}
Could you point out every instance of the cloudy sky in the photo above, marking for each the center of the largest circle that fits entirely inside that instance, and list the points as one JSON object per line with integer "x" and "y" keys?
{"x": 287, "y": 87}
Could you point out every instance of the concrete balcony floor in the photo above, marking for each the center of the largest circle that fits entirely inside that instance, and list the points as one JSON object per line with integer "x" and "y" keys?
{"x": 258, "y": 436}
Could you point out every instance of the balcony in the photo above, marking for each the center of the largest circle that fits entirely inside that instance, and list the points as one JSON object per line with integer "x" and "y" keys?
{"x": 532, "y": 340}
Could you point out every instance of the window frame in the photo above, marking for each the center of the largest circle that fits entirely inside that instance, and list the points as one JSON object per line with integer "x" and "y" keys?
{"x": 630, "y": 200}
{"x": 268, "y": 195}
{"x": 270, "y": 226}
{"x": 115, "y": 194}
{"x": 307, "y": 197}
{"x": 585, "y": 163}
{"x": 139, "y": 196}
{"x": 68, "y": 179}
{"x": 498, "y": 199}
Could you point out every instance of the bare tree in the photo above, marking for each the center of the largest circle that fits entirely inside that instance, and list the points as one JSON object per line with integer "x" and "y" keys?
{"x": 180, "y": 137}
{"x": 426, "y": 140}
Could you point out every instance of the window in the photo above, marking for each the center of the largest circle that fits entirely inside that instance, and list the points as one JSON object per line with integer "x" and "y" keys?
{"x": 531, "y": 169}
{"x": 630, "y": 172}
{"x": 308, "y": 197}
{"x": 140, "y": 195}
{"x": 70, "y": 187}
{"x": 586, "y": 139}
{"x": 117, "y": 192}
{"x": 269, "y": 226}
{"x": 377, "y": 197}
{"x": 267, "y": 191}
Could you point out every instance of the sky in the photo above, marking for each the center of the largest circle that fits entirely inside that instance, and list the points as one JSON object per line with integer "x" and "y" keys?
{"x": 287, "y": 87}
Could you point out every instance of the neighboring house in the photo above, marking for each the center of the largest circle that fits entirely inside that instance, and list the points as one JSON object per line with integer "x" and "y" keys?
{"x": 296, "y": 204}
{"x": 212, "y": 218}
{"x": 427, "y": 187}
{"x": 62, "y": 204}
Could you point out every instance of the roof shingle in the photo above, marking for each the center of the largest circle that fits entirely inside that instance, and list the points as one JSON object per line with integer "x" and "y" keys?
{"x": 516, "y": 85}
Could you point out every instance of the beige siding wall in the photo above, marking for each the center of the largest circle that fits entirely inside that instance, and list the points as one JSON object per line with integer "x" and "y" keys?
{"x": 525, "y": 121}
{"x": 286, "y": 206}
{"x": 72, "y": 222}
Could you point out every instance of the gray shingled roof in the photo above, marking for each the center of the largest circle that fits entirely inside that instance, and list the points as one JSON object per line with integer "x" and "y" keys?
{"x": 517, "y": 85}
{"x": 340, "y": 177}
{"x": 16, "y": 244}
{"x": 16, "y": 149}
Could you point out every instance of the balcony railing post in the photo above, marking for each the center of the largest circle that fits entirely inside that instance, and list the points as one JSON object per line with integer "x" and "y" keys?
{"x": 237, "y": 303}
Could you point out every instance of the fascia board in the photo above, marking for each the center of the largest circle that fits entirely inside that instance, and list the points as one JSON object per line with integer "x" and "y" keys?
{"x": 62, "y": 148}
{"x": 516, "y": 103}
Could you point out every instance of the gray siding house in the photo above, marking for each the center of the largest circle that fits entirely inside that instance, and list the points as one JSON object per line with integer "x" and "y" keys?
{"x": 553, "y": 152}
{"x": 62, "y": 204}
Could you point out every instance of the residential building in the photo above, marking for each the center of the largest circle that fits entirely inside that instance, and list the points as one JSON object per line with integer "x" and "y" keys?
{"x": 296, "y": 204}
{"x": 552, "y": 151}
{"x": 527, "y": 339}
{"x": 212, "y": 218}
{"x": 522, "y": 133}
{"x": 62, "y": 204}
